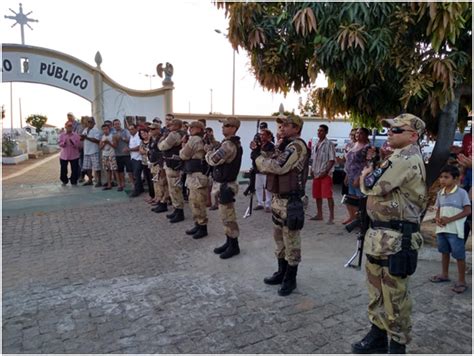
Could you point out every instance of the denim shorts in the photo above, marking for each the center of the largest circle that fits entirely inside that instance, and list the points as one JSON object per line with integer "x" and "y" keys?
{"x": 451, "y": 243}
{"x": 354, "y": 191}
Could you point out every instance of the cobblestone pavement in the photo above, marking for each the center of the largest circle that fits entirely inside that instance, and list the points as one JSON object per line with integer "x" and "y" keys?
{"x": 112, "y": 276}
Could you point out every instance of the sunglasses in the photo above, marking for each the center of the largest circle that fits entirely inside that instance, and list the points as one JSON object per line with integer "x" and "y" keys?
{"x": 227, "y": 125}
{"x": 398, "y": 130}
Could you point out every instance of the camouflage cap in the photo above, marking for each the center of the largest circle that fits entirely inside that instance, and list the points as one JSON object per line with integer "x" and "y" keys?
{"x": 197, "y": 124}
{"x": 290, "y": 119}
{"x": 155, "y": 126}
{"x": 406, "y": 120}
{"x": 177, "y": 122}
{"x": 232, "y": 121}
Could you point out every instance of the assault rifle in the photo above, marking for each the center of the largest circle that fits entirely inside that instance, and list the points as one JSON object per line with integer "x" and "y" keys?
{"x": 252, "y": 173}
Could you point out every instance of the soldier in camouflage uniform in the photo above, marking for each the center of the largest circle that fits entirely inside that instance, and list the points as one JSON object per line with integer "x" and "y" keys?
{"x": 287, "y": 172}
{"x": 197, "y": 182}
{"x": 160, "y": 183}
{"x": 397, "y": 196}
{"x": 226, "y": 160}
{"x": 170, "y": 147}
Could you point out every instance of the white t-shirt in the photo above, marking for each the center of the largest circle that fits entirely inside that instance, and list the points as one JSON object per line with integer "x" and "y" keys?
{"x": 107, "y": 151}
{"x": 91, "y": 148}
{"x": 135, "y": 142}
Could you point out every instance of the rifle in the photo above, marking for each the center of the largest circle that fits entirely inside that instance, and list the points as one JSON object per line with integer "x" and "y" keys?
{"x": 363, "y": 220}
{"x": 251, "y": 187}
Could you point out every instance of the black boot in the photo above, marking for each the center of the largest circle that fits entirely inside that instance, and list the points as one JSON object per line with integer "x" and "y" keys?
{"x": 277, "y": 277}
{"x": 178, "y": 217}
{"x": 193, "y": 230}
{"x": 160, "y": 208}
{"x": 201, "y": 232}
{"x": 220, "y": 249}
{"x": 289, "y": 281}
{"x": 231, "y": 250}
{"x": 171, "y": 216}
{"x": 375, "y": 342}
{"x": 396, "y": 348}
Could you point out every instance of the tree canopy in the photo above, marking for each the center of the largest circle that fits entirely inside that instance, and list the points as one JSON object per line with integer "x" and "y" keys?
{"x": 380, "y": 59}
{"x": 37, "y": 121}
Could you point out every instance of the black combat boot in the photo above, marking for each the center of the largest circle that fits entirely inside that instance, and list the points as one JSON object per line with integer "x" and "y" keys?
{"x": 201, "y": 232}
{"x": 193, "y": 230}
{"x": 289, "y": 281}
{"x": 171, "y": 216}
{"x": 220, "y": 249}
{"x": 375, "y": 342}
{"x": 231, "y": 250}
{"x": 396, "y": 348}
{"x": 277, "y": 277}
{"x": 160, "y": 208}
{"x": 179, "y": 216}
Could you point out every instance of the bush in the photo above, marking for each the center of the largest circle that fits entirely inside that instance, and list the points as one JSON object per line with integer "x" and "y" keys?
{"x": 37, "y": 121}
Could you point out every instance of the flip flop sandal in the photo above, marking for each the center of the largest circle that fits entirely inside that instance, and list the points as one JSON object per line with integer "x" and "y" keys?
{"x": 459, "y": 288}
{"x": 439, "y": 279}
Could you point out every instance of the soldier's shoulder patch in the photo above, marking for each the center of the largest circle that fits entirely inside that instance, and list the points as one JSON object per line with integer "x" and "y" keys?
{"x": 285, "y": 155}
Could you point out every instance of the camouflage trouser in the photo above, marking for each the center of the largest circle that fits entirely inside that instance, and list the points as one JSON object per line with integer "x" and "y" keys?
{"x": 288, "y": 243}
{"x": 160, "y": 184}
{"x": 389, "y": 302}
{"x": 197, "y": 203}
{"x": 175, "y": 188}
{"x": 227, "y": 211}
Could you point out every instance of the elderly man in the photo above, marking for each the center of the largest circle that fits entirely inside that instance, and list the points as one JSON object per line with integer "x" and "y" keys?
{"x": 396, "y": 197}
{"x": 70, "y": 143}
{"x": 91, "y": 138}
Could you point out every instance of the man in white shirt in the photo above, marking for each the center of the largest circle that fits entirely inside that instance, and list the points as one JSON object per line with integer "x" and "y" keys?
{"x": 91, "y": 138}
{"x": 136, "y": 160}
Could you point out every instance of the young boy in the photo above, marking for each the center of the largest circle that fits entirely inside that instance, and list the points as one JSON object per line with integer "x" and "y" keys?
{"x": 108, "y": 155}
{"x": 453, "y": 205}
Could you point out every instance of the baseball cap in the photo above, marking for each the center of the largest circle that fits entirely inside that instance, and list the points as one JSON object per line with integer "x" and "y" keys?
{"x": 406, "y": 120}
{"x": 177, "y": 122}
{"x": 232, "y": 121}
{"x": 154, "y": 126}
{"x": 290, "y": 119}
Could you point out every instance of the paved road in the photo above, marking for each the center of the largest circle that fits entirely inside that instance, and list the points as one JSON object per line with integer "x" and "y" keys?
{"x": 83, "y": 274}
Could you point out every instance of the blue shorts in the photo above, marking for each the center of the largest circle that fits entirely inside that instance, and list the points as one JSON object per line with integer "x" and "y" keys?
{"x": 354, "y": 191}
{"x": 451, "y": 243}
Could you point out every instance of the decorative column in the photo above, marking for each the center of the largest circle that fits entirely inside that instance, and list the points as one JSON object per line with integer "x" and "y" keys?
{"x": 98, "y": 102}
{"x": 167, "y": 84}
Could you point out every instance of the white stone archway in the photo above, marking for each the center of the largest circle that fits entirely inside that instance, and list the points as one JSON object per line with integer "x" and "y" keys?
{"x": 109, "y": 100}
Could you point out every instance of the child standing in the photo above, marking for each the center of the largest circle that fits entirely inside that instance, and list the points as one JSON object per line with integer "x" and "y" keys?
{"x": 453, "y": 206}
{"x": 108, "y": 155}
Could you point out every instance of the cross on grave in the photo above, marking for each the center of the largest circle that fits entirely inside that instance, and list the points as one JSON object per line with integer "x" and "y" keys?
{"x": 23, "y": 20}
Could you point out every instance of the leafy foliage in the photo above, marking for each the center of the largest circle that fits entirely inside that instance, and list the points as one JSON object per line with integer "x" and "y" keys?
{"x": 380, "y": 58}
{"x": 37, "y": 121}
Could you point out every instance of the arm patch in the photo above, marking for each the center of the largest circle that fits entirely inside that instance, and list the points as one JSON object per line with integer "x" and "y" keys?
{"x": 285, "y": 155}
{"x": 218, "y": 155}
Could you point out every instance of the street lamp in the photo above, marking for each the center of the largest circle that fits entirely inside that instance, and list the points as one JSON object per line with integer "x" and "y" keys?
{"x": 233, "y": 72}
{"x": 148, "y": 76}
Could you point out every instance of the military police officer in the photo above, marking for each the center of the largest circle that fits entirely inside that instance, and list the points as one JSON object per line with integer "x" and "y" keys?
{"x": 287, "y": 172}
{"x": 155, "y": 157}
{"x": 226, "y": 160}
{"x": 195, "y": 167}
{"x": 170, "y": 147}
{"x": 397, "y": 195}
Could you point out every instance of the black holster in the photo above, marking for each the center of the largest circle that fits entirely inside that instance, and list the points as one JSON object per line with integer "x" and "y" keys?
{"x": 403, "y": 263}
{"x": 226, "y": 195}
{"x": 295, "y": 213}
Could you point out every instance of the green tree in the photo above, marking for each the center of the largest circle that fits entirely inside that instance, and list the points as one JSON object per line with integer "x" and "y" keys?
{"x": 381, "y": 59}
{"x": 37, "y": 121}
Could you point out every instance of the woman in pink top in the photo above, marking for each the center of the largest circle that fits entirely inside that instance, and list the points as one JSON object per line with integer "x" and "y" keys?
{"x": 70, "y": 143}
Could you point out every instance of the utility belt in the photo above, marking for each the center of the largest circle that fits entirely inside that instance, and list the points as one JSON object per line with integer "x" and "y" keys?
{"x": 298, "y": 194}
{"x": 195, "y": 165}
{"x": 294, "y": 212}
{"x": 173, "y": 162}
{"x": 397, "y": 225}
{"x": 402, "y": 263}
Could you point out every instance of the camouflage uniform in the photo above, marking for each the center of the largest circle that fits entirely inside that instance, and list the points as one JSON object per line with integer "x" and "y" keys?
{"x": 399, "y": 193}
{"x": 226, "y": 160}
{"x": 287, "y": 172}
{"x": 160, "y": 184}
{"x": 173, "y": 176}
{"x": 288, "y": 243}
{"x": 197, "y": 182}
